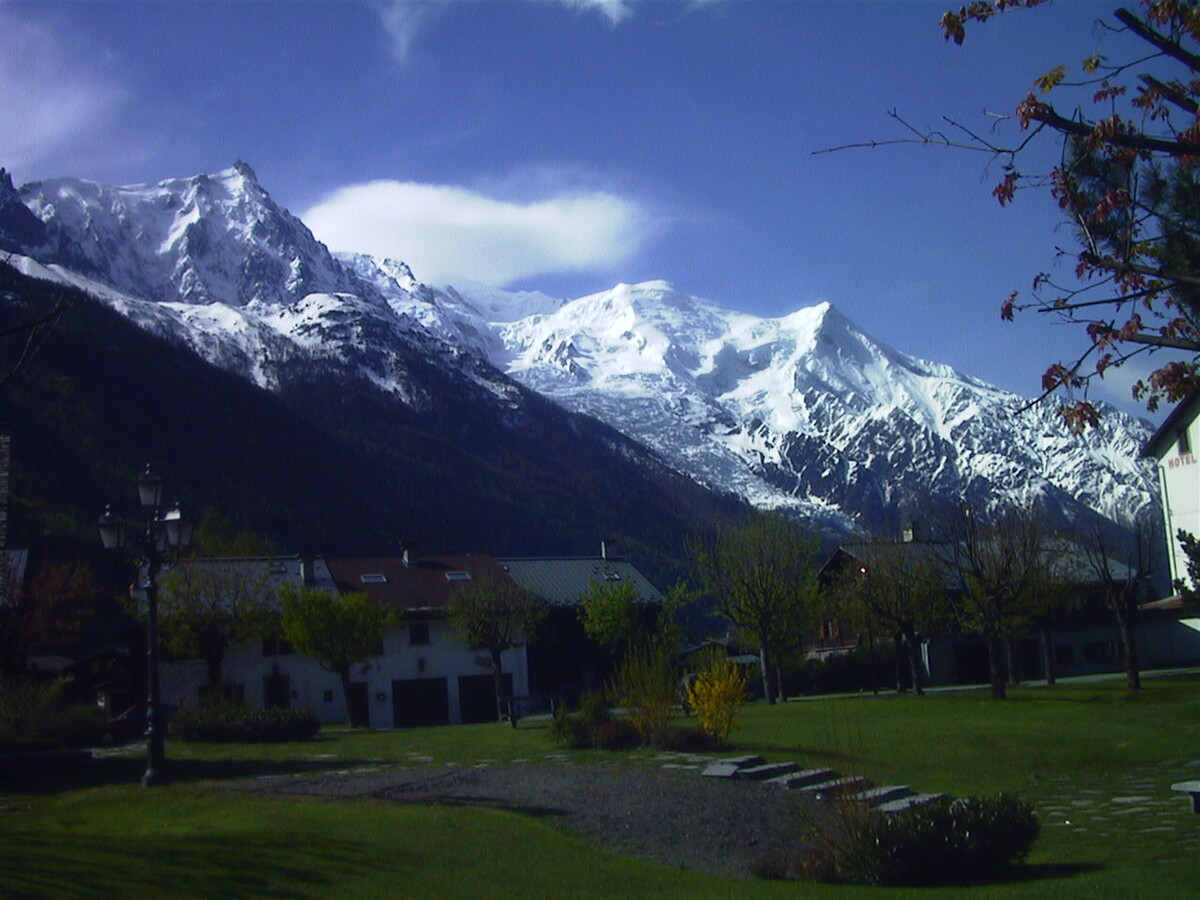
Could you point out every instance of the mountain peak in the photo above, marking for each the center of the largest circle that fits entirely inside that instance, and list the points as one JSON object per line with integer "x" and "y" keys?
{"x": 209, "y": 238}
{"x": 243, "y": 169}
{"x": 20, "y": 230}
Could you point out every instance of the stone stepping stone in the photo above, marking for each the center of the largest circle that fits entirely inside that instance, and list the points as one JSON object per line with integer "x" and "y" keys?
{"x": 731, "y": 766}
{"x": 804, "y": 778}
{"x": 743, "y": 762}
{"x": 720, "y": 770}
{"x": 838, "y": 787}
{"x": 879, "y": 795}
{"x": 902, "y": 803}
{"x": 767, "y": 770}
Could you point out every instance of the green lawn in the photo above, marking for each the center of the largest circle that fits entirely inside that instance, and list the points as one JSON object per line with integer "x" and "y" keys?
{"x": 1096, "y": 763}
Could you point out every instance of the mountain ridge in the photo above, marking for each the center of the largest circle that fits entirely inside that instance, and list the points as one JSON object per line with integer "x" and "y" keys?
{"x": 803, "y": 413}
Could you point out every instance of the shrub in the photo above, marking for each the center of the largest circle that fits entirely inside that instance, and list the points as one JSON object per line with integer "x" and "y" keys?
{"x": 19, "y": 703}
{"x": 774, "y": 867}
{"x": 645, "y": 686}
{"x": 77, "y": 725}
{"x": 570, "y": 731}
{"x": 716, "y": 695}
{"x": 616, "y": 734}
{"x": 593, "y": 708}
{"x": 685, "y": 739}
{"x": 862, "y": 669}
{"x": 942, "y": 842}
{"x": 41, "y": 712}
{"x": 228, "y": 722}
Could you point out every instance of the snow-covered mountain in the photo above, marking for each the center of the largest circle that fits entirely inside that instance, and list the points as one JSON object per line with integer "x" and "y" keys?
{"x": 804, "y": 412}
{"x": 808, "y": 409}
{"x": 212, "y": 262}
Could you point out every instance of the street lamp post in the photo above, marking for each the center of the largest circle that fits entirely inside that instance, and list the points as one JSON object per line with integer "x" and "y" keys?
{"x": 163, "y": 532}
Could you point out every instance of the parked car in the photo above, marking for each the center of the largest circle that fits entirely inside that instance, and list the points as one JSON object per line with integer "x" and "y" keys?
{"x": 132, "y": 723}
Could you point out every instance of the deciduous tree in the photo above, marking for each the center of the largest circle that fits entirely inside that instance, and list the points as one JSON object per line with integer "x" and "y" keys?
{"x": 337, "y": 630}
{"x": 1123, "y": 583}
{"x": 995, "y": 563}
{"x": 207, "y": 607}
{"x": 609, "y": 615}
{"x": 763, "y": 578}
{"x": 495, "y": 613}
{"x": 897, "y": 589}
{"x": 41, "y": 608}
{"x": 1189, "y": 588}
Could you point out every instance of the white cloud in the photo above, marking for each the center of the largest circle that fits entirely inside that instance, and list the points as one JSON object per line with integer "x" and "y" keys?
{"x": 446, "y": 233}
{"x": 614, "y": 10}
{"x": 51, "y": 100}
{"x": 403, "y": 19}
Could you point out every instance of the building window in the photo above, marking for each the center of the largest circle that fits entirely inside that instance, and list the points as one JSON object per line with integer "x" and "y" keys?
{"x": 418, "y": 633}
{"x": 1184, "y": 443}
{"x": 373, "y": 578}
{"x": 458, "y": 576}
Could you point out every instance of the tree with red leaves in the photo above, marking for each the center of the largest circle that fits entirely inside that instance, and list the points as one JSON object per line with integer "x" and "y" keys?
{"x": 1127, "y": 180}
{"x": 42, "y": 611}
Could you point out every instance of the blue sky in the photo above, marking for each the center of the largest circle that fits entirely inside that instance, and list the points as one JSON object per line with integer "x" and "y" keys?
{"x": 567, "y": 145}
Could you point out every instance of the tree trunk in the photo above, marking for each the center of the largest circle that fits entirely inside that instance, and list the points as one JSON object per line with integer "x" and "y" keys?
{"x": 1048, "y": 652}
{"x": 874, "y": 663}
{"x": 764, "y": 662}
{"x": 345, "y": 678}
{"x": 1010, "y": 656}
{"x": 212, "y": 668}
{"x": 898, "y": 653}
{"x": 914, "y": 661}
{"x": 1133, "y": 675}
{"x": 996, "y": 668}
{"x": 498, "y": 688}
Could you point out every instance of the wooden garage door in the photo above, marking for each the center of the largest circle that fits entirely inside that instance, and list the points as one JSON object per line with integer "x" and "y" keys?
{"x": 420, "y": 701}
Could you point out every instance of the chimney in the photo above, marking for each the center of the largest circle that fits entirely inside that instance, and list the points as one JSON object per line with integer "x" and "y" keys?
{"x": 306, "y": 570}
{"x": 605, "y": 546}
{"x": 408, "y": 552}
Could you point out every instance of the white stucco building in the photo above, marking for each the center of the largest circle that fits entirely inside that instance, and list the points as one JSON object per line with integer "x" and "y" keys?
{"x": 424, "y": 675}
{"x": 1175, "y": 447}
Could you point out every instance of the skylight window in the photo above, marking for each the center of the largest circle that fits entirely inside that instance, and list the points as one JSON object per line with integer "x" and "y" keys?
{"x": 373, "y": 578}
{"x": 458, "y": 576}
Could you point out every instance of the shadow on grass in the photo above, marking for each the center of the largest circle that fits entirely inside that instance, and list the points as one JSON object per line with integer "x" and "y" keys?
{"x": 108, "y": 771}
{"x": 1049, "y": 872}
{"x": 77, "y": 866}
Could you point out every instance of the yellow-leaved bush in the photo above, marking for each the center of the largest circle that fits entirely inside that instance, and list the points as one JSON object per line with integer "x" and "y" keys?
{"x": 716, "y": 694}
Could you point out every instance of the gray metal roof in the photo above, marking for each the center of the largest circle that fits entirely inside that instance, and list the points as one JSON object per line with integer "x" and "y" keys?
{"x": 561, "y": 581}
{"x": 277, "y": 570}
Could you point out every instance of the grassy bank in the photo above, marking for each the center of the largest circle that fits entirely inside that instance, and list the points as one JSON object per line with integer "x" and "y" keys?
{"x": 1096, "y": 762}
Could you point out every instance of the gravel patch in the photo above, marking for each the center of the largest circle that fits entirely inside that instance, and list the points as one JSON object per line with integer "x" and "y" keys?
{"x": 668, "y": 816}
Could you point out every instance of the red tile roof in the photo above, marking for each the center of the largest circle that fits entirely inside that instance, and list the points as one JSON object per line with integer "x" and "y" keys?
{"x": 423, "y": 585}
